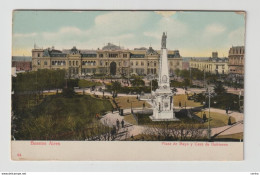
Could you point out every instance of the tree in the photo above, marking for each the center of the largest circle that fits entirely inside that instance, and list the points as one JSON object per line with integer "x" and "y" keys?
{"x": 154, "y": 84}
{"x": 219, "y": 88}
{"x": 177, "y": 72}
{"x": 137, "y": 82}
{"x": 186, "y": 82}
{"x": 116, "y": 86}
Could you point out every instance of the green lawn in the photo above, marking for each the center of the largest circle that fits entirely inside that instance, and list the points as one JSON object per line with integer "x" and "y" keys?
{"x": 183, "y": 98}
{"x": 130, "y": 119}
{"x": 87, "y": 83}
{"x": 125, "y": 102}
{"x": 218, "y": 119}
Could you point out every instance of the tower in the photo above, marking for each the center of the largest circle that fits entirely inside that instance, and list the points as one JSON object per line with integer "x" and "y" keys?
{"x": 163, "y": 102}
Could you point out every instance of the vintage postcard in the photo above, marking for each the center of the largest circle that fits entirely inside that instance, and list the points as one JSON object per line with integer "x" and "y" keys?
{"x": 127, "y": 85}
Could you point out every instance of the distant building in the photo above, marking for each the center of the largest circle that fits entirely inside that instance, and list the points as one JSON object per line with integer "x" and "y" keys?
{"x": 111, "y": 59}
{"x": 214, "y": 64}
{"x": 186, "y": 63}
{"x": 236, "y": 60}
{"x": 22, "y": 66}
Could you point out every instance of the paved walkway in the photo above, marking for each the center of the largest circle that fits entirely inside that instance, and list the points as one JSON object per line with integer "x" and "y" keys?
{"x": 110, "y": 120}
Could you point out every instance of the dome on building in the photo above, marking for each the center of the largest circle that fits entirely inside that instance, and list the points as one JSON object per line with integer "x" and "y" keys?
{"x": 111, "y": 46}
{"x": 151, "y": 51}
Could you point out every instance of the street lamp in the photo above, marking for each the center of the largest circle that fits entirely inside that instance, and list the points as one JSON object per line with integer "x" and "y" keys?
{"x": 131, "y": 108}
{"x": 209, "y": 128}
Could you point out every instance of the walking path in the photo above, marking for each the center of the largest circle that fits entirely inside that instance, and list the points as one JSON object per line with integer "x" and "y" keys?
{"x": 110, "y": 120}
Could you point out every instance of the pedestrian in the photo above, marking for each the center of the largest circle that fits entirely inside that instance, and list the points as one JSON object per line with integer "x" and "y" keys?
{"x": 180, "y": 104}
{"x": 97, "y": 116}
{"x": 143, "y": 105}
{"x": 226, "y": 110}
{"x": 229, "y": 121}
{"x": 117, "y": 123}
{"x": 204, "y": 117}
{"x": 112, "y": 110}
{"x": 123, "y": 123}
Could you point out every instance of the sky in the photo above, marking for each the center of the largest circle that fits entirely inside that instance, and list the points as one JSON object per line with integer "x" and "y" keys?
{"x": 193, "y": 33}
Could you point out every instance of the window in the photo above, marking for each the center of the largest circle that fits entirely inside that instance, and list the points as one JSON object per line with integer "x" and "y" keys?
{"x": 70, "y": 63}
{"x": 148, "y": 64}
{"x": 101, "y": 63}
{"x": 76, "y": 63}
{"x": 142, "y": 63}
{"x": 73, "y": 63}
{"x": 154, "y": 63}
{"x": 132, "y": 63}
{"x": 101, "y": 55}
{"x": 45, "y": 63}
{"x": 112, "y": 55}
{"x": 136, "y": 63}
{"x": 124, "y": 55}
{"x": 39, "y": 54}
{"x": 38, "y": 62}
{"x": 125, "y": 63}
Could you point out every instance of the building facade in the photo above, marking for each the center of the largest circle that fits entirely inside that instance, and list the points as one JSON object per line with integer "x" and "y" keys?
{"x": 22, "y": 65}
{"x": 110, "y": 60}
{"x": 214, "y": 64}
{"x": 236, "y": 60}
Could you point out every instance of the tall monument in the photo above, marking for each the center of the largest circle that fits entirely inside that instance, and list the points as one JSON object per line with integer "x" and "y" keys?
{"x": 163, "y": 96}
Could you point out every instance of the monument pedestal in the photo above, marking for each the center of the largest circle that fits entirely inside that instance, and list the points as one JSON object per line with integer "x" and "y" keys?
{"x": 163, "y": 102}
{"x": 163, "y": 106}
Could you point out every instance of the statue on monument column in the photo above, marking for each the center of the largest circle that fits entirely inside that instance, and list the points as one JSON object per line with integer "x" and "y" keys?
{"x": 164, "y": 41}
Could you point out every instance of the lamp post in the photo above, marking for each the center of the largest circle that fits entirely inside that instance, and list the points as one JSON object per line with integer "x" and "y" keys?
{"x": 131, "y": 108}
{"x": 209, "y": 128}
{"x": 239, "y": 100}
{"x": 204, "y": 78}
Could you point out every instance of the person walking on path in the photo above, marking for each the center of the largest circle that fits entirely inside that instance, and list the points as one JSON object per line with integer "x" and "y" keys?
{"x": 229, "y": 121}
{"x": 204, "y": 117}
{"x": 123, "y": 123}
{"x": 226, "y": 110}
{"x": 117, "y": 124}
{"x": 180, "y": 104}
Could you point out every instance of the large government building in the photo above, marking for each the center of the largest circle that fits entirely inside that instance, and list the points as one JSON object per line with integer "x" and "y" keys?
{"x": 111, "y": 59}
{"x": 214, "y": 64}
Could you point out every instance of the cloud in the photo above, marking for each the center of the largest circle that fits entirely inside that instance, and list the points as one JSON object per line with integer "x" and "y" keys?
{"x": 153, "y": 35}
{"x": 214, "y": 29}
{"x": 114, "y": 22}
{"x": 65, "y": 32}
{"x": 173, "y": 27}
{"x": 166, "y": 13}
{"x": 237, "y": 37}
